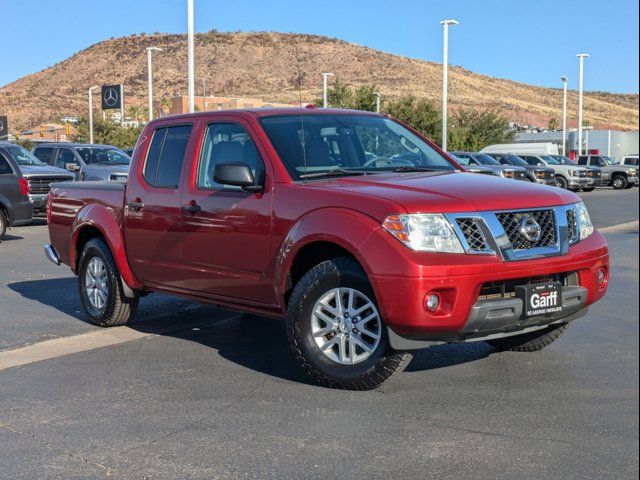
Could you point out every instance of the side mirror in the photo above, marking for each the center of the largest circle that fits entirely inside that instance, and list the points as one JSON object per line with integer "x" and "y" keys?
{"x": 237, "y": 174}
{"x": 72, "y": 167}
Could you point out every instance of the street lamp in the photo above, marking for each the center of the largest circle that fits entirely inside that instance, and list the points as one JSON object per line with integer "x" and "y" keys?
{"x": 91, "y": 89}
{"x": 445, "y": 78}
{"x": 190, "y": 54}
{"x": 581, "y": 57}
{"x": 564, "y": 114}
{"x": 325, "y": 76}
{"x": 377, "y": 95}
{"x": 150, "y": 78}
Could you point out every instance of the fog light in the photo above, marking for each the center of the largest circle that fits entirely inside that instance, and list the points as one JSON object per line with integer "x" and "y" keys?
{"x": 602, "y": 277}
{"x": 432, "y": 302}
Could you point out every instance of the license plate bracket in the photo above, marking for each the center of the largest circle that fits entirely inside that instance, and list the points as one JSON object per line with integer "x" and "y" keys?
{"x": 540, "y": 299}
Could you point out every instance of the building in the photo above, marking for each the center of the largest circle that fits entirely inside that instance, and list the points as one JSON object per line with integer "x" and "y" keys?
{"x": 613, "y": 143}
{"x": 47, "y": 132}
{"x": 180, "y": 104}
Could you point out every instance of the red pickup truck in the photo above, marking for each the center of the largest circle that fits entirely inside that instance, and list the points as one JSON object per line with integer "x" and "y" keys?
{"x": 367, "y": 238}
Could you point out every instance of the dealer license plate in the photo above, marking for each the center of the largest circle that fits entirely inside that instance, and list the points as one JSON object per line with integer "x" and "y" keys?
{"x": 541, "y": 299}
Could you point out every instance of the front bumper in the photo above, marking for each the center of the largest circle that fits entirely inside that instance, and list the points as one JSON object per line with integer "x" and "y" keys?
{"x": 578, "y": 182}
{"x": 458, "y": 281}
{"x": 39, "y": 202}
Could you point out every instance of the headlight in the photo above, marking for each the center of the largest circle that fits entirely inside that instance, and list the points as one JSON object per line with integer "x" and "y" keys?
{"x": 424, "y": 232}
{"x": 632, "y": 171}
{"x": 584, "y": 221}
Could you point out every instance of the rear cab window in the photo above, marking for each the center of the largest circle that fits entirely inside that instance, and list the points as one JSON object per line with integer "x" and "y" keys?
{"x": 44, "y": 154}
{"x": 166, "y": 155}
{"x": 5, "y": 168}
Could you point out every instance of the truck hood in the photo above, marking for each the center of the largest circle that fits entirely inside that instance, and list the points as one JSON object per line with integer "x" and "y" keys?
{"x": 452, "y": 192}
{"x": 33, "y": 170}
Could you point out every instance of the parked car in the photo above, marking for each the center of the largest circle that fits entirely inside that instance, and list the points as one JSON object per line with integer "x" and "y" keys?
{"x": 594, "y": 174}
{"x": 281, "y": 212}
{"x": 38, "y": 175}
{"x": 472, "y": 168}
{"x": 613, "y": 174}
{"x": 87, "y": 161}
{"x": 481, "y": 159}
{"x": 128, "y": 151}
{"x": 535, "y": 173}
{"x": 15, "y": 207}
{"x": 629, "y": 161}
{"x": 568, "y": 177}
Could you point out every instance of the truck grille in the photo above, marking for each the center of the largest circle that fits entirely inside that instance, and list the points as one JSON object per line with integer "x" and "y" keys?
{"x": 473, "y": 234}
{"x": 581, "y": 173}
{"x": 594, "y": 174}
{"x": 42, "y": 185}
{"x": 572, "y": 225}
{"x": 545, "y": 218}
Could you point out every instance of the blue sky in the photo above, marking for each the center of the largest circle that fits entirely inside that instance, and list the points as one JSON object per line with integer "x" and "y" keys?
{"x": 528, "y": 41}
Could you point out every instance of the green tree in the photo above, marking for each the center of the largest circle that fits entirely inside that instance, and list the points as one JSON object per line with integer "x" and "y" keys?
{"x": 421, "y": 114}
{"x": 364, "y": 98}
{"x": 25, "y": 143}
{"x": 107, "y": 132}
{"x": 553, "y": 124}
{"x": 473, "y": 129}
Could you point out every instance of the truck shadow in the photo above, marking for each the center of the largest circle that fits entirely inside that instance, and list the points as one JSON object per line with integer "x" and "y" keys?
{"x": 255, "y": 342}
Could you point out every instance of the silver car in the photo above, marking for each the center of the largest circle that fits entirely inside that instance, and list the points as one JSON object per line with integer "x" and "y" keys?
{"x": 569, "y": 177}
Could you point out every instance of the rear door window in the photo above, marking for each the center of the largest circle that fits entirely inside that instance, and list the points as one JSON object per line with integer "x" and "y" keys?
{"x": 44, "y": 154}
{"x": 5, "y": 168}
{"x": 166, "y": 156}
{"x": 64, "y": 157}
{"x": 582, "y": 161}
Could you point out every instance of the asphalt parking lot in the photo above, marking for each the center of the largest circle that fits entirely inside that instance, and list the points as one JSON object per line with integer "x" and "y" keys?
{"x": 191, "y": 391}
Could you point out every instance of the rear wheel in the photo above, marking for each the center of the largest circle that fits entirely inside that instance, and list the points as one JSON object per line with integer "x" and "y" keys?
{"x": 4, "y": 223}
{"x": 561, "y": 182}
{"x": 619, "y": 182}
{"x": 335, "y": 329}
{"x": 101, "y": 289}
{"x": 530, "y": 342}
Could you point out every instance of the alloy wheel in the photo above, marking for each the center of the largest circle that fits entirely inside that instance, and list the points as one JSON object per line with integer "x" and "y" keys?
{"x": 96, "y": 283}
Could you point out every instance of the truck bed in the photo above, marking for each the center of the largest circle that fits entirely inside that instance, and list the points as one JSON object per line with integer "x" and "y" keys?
{"x": 68, "y": 199}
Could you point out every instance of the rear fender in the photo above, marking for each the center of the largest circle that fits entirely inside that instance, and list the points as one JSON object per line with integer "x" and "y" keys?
{"x": 345, "y": 228}
{"x": 5, "y": 205}
{"x": 101, "y": 218}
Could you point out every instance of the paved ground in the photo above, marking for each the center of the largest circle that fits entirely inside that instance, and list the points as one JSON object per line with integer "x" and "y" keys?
{"x": 196, "y": 392}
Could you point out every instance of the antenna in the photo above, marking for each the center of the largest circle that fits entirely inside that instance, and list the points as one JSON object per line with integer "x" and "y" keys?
{"x": 298, "y": 80}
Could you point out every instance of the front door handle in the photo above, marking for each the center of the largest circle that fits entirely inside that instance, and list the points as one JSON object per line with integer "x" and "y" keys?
{"x": 191, "y": 208}
{"x": 136, "y": 205}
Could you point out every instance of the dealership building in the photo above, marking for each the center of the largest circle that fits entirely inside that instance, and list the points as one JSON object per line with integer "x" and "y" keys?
{"x": 613, "y": 143}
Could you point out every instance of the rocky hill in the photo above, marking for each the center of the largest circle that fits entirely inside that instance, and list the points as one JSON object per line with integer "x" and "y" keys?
{"x": 266, "y": 65}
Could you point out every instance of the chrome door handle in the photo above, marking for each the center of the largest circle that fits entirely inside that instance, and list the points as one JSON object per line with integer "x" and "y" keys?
{"x": 136, "y": 205}
{"x": 191, "y": 208}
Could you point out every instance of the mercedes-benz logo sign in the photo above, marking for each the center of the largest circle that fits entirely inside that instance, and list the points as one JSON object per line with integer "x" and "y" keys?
{"x": 110, "y": 97}
{"x": 530, "y": 229}
{"x": 1, "y": 125}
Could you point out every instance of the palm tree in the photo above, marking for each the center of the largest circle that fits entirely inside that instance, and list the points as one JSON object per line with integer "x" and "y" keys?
{"x": 134, "y": 112}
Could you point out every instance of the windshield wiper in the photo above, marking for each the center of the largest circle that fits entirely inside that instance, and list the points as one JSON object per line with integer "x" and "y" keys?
{"x": 336, "y": 172}
{"x": 407, "y": 168}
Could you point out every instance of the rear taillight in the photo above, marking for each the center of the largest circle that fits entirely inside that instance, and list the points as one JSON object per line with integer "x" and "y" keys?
{"x": 24, "y": 187}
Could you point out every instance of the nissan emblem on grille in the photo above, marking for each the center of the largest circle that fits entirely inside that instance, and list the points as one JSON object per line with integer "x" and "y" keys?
{"x": 530, "y": 229}
{"x": 517, "y": 223}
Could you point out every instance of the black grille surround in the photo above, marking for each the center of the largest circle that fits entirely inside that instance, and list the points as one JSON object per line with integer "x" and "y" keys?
{"x": 472, "y": 233}
{"x": 42, "y": 185}
{"x": 511, "y": 221}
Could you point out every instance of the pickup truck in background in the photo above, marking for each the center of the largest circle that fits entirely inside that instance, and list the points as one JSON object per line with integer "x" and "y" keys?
{"x": 618, "y": 176}
{"x": 363, "y": 235}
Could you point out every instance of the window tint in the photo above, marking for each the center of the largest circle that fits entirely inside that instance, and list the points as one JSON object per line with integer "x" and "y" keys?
{"x": 5, "y": 168}
{"x": 166, "y": 154}
{"x": 65, "y": 156}
{"x": 532, "y": 161}
{"x": 227, "y": 143}
{"x": 44, "y": 154}
{"x": 582, "y": 161}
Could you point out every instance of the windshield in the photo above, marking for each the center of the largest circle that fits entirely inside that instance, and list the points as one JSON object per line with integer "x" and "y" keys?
{"x": 516, "y": 160}
{"x": 348, "y": 144}
{"x": 550, "y": 160}
{"x": 564, "y": 160}
{"x": 485, "y": 159}
{"x": 608, "y": 160}
{"x": 23, "y": 156}
{"x": 103, "y": 156}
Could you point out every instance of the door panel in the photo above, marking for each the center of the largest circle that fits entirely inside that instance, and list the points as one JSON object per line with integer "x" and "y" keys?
{"x": 226, "y": 242}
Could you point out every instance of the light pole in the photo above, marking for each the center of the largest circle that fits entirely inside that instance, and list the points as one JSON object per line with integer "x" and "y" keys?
{"x": 377, "y": 102}
{"x": 91, "y": 113}
{"x": 581, "y": 57}
{"x": 564, "y": 114}
{"x": 190, "y": 61}
{"x": 445, "y": 77}
{"x": 325, "y": 76}
{"x": 150, "y": 78}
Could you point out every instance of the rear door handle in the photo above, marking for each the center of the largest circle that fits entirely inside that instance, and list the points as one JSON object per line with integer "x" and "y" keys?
{"x": 191, "y": 208}
{"x": 136, "y": 205}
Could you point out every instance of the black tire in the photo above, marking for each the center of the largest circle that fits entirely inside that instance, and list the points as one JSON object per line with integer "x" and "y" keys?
{"x": 118, "y": 308}
{"x": 629, "y": 186}
{"x": 561, "y": 182}
{"x": 619, "y": 182}
{"x": 4, "y": 223}
{"x": 530, "y": 342}
{"x": 589, "y": 189}
{"x": 342, "y": 272}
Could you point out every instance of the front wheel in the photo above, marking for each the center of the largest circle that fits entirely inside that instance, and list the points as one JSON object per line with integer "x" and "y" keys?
{"x": 562, "y": 183}
{"x": 101, "y": 289}
{"x": 619, "y": 182}
{"x": 530, "y": 342}
{"x": 335, "y": 329}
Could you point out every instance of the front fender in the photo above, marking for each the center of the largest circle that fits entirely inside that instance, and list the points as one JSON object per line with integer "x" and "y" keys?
{"x": 345, "y": 228}
{"x": 104, "y": 220}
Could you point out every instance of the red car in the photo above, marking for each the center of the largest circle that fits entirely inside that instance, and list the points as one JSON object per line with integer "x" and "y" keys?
{"x": 368, "y": 239}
